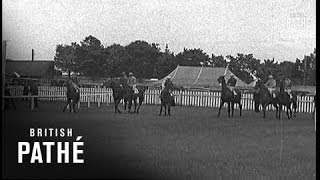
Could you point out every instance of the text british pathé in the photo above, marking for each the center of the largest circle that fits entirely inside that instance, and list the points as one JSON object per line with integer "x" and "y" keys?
{"x": 32, "y": 150}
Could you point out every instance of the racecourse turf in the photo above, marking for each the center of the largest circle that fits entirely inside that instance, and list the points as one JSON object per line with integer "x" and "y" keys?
{"x": 192, "y": 143}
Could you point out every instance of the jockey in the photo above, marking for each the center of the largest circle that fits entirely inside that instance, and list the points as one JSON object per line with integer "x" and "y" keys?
{"x": 76, "y": 87}
{"x": 132, "y": 82}
{"x": 287, "y": 84}
{"x": 271, "y": 85}
{"x": 124, "y": 79}
{"x": 231, "y": 83}
{"x": 167, "y": 85}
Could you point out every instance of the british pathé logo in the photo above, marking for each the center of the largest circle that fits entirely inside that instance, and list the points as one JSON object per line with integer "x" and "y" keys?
{"x": 32, "y": 150}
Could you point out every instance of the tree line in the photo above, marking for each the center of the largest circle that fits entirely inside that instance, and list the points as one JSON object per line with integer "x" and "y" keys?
{"x": 146, "y": 60}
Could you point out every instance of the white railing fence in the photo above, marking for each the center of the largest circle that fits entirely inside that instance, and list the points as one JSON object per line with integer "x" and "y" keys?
{"x": 182, "y": 97}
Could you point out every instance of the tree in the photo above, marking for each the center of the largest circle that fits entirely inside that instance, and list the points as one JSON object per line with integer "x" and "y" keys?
{"x": 117, "y": 60}
{"x": 218, "y": 61}
{"x": 93, "y": 58}
{"x": 192, "y": 57}
{"x": 143, "y": 57}
{"x": 165, "y": 64}
{"x": 65, "y": 58}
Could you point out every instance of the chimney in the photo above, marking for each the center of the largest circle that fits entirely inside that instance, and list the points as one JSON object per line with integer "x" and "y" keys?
{"x": 32, "y": 55}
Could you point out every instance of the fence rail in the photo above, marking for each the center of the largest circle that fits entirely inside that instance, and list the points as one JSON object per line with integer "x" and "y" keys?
{"x": 182, "y": 97}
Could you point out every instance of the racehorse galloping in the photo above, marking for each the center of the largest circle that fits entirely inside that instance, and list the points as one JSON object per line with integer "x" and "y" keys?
{"x": 227, "y": 96}
{"x": 73, "y": 97}
{"x": 264, "y": 97}
{"x": 139, "y": 96}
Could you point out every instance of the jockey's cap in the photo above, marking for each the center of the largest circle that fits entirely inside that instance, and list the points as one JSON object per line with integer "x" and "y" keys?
{"x": 130, "y": 73}
{"x": 270, "y": 76}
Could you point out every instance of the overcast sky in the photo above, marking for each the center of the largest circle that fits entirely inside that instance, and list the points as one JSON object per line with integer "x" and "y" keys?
{"x": 283, "y": 29}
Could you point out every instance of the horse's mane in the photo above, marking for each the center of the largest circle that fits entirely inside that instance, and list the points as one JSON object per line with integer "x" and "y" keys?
{"x": 260, "y": 85}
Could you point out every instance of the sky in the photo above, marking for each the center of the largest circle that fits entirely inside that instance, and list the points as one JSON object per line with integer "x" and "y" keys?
{"x": 280, "y": 29}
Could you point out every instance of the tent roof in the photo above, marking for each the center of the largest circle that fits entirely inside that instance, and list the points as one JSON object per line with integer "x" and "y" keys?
{"x": 29, "y": 68}
{"x": 199, "y": 77}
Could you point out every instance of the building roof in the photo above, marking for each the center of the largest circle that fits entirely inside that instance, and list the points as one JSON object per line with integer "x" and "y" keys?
{"x": 27, "y": 68}
{"x": 199, "y": 77}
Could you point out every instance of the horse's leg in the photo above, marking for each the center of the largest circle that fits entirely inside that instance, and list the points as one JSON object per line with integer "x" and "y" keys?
{"x": 294, "y": 106}
{"x": 256, "y": 106}
{"x": 118, "y": 102}
{"x": 289, "y": 111}
{"x": 229, "y": 109}
{"x": 232, "y": 108}
{"x": 140, "y": 102}
{"x": 221, "y": 104}
{"x": 280, "y": 108}
{"x": 68, "y": 101}
{"x": 135, "y": 105}
{"x": 115, "y": 105}
{"x": 169, "y": 110}
{"x": 160, "y": 109}
{"x": 70, "y": 105}
{"x": 130, "y": 105}
{"x": 74, "y": 104}
{"x": 240, "y": 108}
{"x": 275, "y": 105}
{"x": 165, "y": 110}
{"x": 125, "y": 104}
{"x": 264, "y": 106}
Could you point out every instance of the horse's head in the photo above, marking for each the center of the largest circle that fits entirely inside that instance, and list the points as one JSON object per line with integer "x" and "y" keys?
{"x": 221, "y": 80}
{"x": 142, "y": 88}
{"x": 113, "y": 83}
{"x": 259, "y": 84}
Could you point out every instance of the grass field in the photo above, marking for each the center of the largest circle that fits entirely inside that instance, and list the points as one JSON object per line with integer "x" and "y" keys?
{"x": 193, "y": 143}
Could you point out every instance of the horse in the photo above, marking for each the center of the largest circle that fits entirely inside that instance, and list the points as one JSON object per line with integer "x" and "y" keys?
{"x": 73, "y": 97}
{"x": 167, "y": 100}
{"x": 227, "y": 96}
{"x": 118, "y": 93}
{"x": 263, "y": 96}
{"x": 284, "y": 99}
{"x": 138, "y": 96}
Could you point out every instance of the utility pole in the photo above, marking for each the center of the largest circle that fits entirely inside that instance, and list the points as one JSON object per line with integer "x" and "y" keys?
{"x": 305, "y": 71}
{"x": 32, "y": 55}
{"x": 4, "y": 49}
